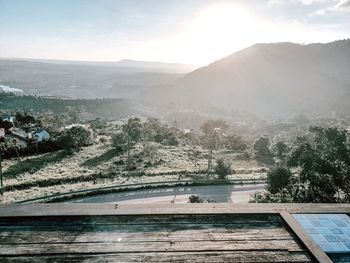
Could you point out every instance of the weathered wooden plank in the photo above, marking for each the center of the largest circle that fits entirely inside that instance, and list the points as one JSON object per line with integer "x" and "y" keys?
{"x": 143, "y": 227}
{"x": 315, "y": 250}
{"x": 209, "y": 257}
{"x": 139, "y": 223}
{"x": 56, "y": 209}
{"x": 59, "y": 248}
{"x": 220, "y": 236}
{"x": 140, "y": 219}
{"x": 27, "y": 237}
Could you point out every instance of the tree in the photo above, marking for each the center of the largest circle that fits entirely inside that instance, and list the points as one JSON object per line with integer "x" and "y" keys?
{"x": 235, "y": 143}
{"x": 24, "y": 119}
{"x": 278, "y": 179}
{"x": 195, "y": 199}
{"x": 75, "y": 138}
{"x": 119, "y": 140}
{"x": 222, "y": 169}
{"x": 153, "y": 130}
{"x": 5, "y": 124}
{"x": 212, "y": 130}
{"x": 133, "y": 130}
{"x": 15, "y": 145}
{"x": 280, "y": 151}
{"x": 98, "y": 124}
{"x": 172, "y": 138}
{"x": 262, "y": 151}
{"x": 324, "y": 162}
{"x": 150, "y": 153}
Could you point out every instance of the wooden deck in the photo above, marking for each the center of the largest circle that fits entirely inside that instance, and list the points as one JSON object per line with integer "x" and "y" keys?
{"x": 150, "y": 233}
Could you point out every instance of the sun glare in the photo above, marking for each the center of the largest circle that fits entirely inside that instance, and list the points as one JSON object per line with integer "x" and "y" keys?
{"x": 220, "y": 29}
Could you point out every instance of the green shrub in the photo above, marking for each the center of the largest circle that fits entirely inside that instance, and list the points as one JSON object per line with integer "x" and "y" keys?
{"x": 195, "y": 199}
{"x": 278, "y": 179}
{"x": 222, "y": 169}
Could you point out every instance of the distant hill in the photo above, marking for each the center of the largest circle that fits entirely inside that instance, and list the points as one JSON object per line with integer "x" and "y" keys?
{"x": 269, "y": 81}
{"x": 78, "y": 79}
{"x": 86, "y": 108}
{"x": 156, "y": 66}
{"x": 273, "y": 81}
{"x": 122, "y": 65}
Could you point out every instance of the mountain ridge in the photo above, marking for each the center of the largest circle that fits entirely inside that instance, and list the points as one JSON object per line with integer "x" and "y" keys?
{"x": 146, "y": 66}
{"x": 273, "y": 80}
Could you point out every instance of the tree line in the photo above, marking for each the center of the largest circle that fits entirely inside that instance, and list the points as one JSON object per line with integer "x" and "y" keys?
{"x": 314, "y": 168}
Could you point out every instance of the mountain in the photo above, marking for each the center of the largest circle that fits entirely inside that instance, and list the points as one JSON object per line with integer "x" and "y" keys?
{"x": 273, "y": 81}
{"x": 122, "y": 65}
{"x": 268, "y": 81}
{"x": 155, "y": 66}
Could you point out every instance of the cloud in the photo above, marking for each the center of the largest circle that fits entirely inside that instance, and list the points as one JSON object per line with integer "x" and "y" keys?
{"x": 343, "y": 5}
{"x": 340, "y": 6}
{"x": 311, "y": 2}
{"x": 303, "y": 2}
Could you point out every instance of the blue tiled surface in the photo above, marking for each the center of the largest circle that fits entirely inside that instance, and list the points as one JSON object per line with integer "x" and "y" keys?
{"x": 330, "y": 231}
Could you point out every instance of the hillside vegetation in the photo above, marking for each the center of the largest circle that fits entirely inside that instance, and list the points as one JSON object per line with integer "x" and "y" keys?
{"x": 85, "y": 108}
{"x": 166, "y": 155}
{"x": 273, "y": 81}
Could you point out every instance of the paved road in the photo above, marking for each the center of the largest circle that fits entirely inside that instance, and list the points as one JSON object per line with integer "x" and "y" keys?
{"x": 219, "y": 193}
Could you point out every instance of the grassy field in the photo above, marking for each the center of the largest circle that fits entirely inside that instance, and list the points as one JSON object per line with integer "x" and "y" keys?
{"x": 100, "y": 165}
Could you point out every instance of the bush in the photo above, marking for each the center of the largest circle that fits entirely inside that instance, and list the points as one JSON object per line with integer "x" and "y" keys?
{"x": 278, "y": 179}
{"x": 119, "y": 141}
{"x": 75, "y": 138}
{"x": 103, "y": 140}
{"x": 262, "y": 151}
{"x": 195, "y": 199}
{"x": 222, "y": 169}
{"x": 172, "y": 139}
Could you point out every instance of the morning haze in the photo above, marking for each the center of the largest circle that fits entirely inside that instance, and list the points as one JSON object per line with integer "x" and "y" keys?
{"x": 146, "y": 107}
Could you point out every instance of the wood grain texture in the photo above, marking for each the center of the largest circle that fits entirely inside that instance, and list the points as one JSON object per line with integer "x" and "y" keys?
{"x": 149, "y": 238}
{"x": 193, "y": 257}
{"x": 57, "y": 209}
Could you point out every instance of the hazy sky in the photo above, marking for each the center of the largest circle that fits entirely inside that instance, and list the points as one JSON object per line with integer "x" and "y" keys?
{"x": 189, "y": 31}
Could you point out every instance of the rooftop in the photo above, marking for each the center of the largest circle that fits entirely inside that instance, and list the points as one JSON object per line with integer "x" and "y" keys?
{"x": 161, "y": 233}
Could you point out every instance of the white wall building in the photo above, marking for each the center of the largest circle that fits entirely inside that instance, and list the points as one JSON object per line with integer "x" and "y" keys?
{"x": 41, "y": 135}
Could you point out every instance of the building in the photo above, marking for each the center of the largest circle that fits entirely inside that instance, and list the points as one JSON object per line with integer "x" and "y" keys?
{"x": 7, "y": 117}
{"x": 41, "y": 135}
{"x": 21, "y": 134}
{"x": 175, "y": 232}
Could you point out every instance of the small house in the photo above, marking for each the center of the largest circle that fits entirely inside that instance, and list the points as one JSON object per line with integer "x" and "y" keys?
{"x": 7, "y": 117}
{"x": 21, "y": 134}
{"x": 41, "y": 135}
